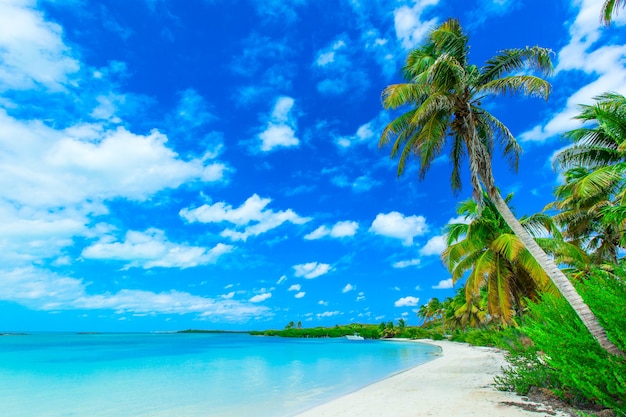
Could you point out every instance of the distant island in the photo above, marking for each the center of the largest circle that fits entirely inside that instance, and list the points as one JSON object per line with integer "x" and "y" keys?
{"x": 210, "y": 331}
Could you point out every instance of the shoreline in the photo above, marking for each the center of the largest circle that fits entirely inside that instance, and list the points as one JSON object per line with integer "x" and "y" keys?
{"x": 459, "y": 382}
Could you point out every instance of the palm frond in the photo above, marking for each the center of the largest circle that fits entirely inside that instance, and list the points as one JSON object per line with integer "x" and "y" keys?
{"x": 528, "y": 85}
{"x": 511, "y": 60}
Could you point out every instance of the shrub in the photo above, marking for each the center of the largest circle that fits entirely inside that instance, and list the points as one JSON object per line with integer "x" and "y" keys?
{"x": 564, "y": 357}
{"x": 481, "y": 337}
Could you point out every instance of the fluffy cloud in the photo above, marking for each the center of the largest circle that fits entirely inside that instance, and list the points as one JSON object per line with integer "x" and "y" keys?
{"x": 398, "y": 226}
{"x": 434, "y": 246}
{"x": 32, "y": 50}
{"x": 410, "y": 28}
{"x": 406, "y": 264}
{"x": 260, "y": 297}
{"x": 338, "y": 230}
{"x": 151, "y": 249}
{"x": 407, "y": 302}
{"x": 252, "y": 215}
{"x": 327, "y": 314}
{"x": 444, "y": 284}
{"x": 43, "y": 290}
{"x": 300, "y": 294}
{"x": 54, "y": 168}
{"x": 280, "y": 130}
{"x": 598, "y": 57}
{"x": 364, "y": 134}
{"x": 348, "y": 288}
{"x": 294, "y": 287}
{"x": 311, "y": 270}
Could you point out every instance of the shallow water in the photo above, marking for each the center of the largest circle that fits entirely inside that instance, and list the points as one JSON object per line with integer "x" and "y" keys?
{"x": 188, "y": 375}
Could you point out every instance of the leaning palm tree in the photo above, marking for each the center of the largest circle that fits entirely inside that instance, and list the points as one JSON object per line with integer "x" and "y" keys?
{"x": 444, "y": 93}
{"x": 609, "y": 9}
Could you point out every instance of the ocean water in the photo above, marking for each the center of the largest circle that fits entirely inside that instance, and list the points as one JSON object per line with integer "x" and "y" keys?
{"x": 188, "y": 375}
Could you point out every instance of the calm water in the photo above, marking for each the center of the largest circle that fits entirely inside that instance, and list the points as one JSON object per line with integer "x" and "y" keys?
{"x": 188, "y": 375}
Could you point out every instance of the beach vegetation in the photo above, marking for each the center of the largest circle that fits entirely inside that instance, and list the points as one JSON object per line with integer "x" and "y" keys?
{"x": 591, "y": 203}
{"x": 500, "y": 272}
{"x": 368, "y": 331}
{"x": 555, "y": 352}
{"x": 442, "y": 102}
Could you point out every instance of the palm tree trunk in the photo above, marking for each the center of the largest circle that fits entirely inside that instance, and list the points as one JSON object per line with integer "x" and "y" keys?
{"x": 556, "y": 275}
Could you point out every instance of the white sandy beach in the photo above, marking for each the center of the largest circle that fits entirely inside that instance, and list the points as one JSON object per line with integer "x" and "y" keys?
{"x": 458, "y": 383}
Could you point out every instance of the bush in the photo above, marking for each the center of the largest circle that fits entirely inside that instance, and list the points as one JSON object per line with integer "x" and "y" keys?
{"x": 482, "y": 337}
{"x": 564, "y": 357}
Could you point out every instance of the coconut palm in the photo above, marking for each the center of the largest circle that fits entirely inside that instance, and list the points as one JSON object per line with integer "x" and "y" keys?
{"x": 497, "y": 260}
{"x": 585, "y": 220}
{"x": 472, "y": 313}
{"x": 444, "y": 93}
{"x": 422, "y": 313}
{"x": 463, "y": 314}
{"x": 592, "y": 200}
{"x": 609, "y": 9}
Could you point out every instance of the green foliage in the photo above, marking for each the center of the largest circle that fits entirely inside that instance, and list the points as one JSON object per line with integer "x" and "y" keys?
{"x": 436, "y": 336}
{"x": 415, "y": 333}
{"x": 564, "y": 357}
{"x": 481, "y": 337}
{"x": 368, "y": 331}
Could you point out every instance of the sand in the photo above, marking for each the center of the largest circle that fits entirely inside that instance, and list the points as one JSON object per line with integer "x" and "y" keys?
{"x": 457, "y": 383}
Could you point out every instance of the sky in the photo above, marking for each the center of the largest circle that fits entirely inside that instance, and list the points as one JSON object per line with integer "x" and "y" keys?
{"x": 214, "y": 164}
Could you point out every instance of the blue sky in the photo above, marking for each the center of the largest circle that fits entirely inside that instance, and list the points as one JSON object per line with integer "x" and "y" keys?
{"x": 214, "y": 164}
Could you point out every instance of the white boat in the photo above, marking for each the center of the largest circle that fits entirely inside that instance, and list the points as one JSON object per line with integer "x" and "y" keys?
{"x": 354, "y": 337}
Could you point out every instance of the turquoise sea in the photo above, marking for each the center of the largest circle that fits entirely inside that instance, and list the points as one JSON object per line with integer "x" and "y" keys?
{"x": 188, "y": 375}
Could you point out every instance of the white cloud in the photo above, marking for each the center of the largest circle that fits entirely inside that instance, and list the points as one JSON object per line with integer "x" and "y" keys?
{"x": 323, "y": 303}
{"x": 459, "y": 220}
{"x": 338, "y": 230}
{"x": 406, "y": 264}
{"x": 49, "y": 168}
{"x": 300, "y": 294}
{"x": 364, "y": 134}
{"x": 281, "y": 279}
{"x": 252, "y": 215}
{"x": 594, "y": 55}
{"x": 398, "y": 226}
{"x": 328, "y": 314}
{"x": 407, "y": 302}
{"x": 281, "y": 127}
{"x": 311, "y": 270}
{"x": 151, "y": 249}
{"x": 348, "y": 288}
{"x": 360, "y": 296}
{"x": 229, "y": 295}
{"x": 43, "y": 290}
{"x": 444, "y": 284}
{"x": 410, "y": 29}
{"x": 295, "y": 287}
{"x": 330, "y": 55}
{"x": 434, "y": 246}
{"x": 260, "y": 297}
{"x": 32, "y": 50}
